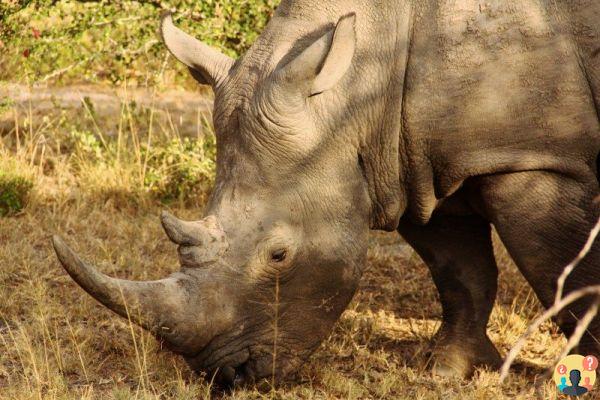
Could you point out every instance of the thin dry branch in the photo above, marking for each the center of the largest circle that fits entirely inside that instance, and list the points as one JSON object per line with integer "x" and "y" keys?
{"x": 549, "y": 313}
{"x": 569, "y": 268}
{"x": 559, "y": 304}
{"x": 582, "y": 326}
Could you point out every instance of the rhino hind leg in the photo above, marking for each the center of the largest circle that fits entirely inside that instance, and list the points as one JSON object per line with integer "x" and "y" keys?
{"x": 459, "y": 254}
{"x": 544, "y": 219}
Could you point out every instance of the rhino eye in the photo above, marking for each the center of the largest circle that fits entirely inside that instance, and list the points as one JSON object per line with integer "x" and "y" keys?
{"x": 278, "y": 255}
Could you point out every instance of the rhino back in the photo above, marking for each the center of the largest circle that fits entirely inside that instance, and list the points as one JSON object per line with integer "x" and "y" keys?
{"x": 497, "y": 86}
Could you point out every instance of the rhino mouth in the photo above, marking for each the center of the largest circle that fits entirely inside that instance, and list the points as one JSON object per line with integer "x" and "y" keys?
{"x": 235, "y": 372}
{"x": 237, "y": 359}
{"x": 242, "y": 367}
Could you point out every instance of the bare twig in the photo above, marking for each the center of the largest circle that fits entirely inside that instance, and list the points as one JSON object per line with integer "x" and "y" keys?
{"x": 580, "y": 329}
{"x": 61, "y": 71}
{"x": 118, "y": 21}
{"x": 549, "y": 313}
{"x": 569, "y": 268}
{"x": 559, "y": 304}
{"x": 131, "y": 53}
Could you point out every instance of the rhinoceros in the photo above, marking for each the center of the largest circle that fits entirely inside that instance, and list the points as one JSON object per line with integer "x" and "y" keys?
{"x": 436, "y": 119}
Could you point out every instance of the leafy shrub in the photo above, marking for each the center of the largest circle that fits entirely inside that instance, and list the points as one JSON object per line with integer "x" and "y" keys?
{"x": 14, "y": 193}
{"x": 138, "y": 159}
{"x": 183, "y": 170}
{"x": 169, "y": 169}
{"x": 115, "y": 41}
{"x": 86, "y": 143}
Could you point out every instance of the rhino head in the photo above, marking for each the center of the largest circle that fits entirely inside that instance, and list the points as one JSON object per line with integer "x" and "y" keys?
{"x": 277, "y": 257}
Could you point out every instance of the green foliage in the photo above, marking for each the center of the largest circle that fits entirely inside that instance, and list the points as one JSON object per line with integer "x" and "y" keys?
{"x": 113, "y": 42}
{"x": 8, "y": 7}
{"x": 180, "y": 170}
{"x": 6, "y": 104}
{"x": 168, "y": 168}
{"x": 14, "y": 193}
{"x": 85, "y": 142}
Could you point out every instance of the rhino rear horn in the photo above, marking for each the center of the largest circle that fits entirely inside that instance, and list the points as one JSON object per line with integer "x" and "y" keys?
{"x": 180, "y": 232}
{"x": 207, "y": 231}
{"x": 207, "y": 65}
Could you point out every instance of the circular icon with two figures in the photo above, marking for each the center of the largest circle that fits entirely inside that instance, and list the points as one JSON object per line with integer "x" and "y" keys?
{"x": 575, "y": 375}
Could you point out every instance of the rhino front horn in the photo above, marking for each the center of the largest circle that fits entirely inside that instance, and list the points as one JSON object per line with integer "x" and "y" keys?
{"x": 155, "y": 305}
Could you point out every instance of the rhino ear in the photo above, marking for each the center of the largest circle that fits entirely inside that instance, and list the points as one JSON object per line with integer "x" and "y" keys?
{"x": 207, "y": 65}
{"x": 322, "y": 64}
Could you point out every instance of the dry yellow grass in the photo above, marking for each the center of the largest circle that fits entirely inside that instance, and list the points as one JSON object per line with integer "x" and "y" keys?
{"x": 57, "y": 342}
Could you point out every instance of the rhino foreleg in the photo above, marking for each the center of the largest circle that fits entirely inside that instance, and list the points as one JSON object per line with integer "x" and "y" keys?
{"x": 459, "y": 253}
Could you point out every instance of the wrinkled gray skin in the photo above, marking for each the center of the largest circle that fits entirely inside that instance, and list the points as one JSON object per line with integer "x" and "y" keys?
{"x": 433, "y": 118}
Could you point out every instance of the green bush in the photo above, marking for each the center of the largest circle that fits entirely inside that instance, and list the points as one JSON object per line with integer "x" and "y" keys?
{"x": 182, "y": 170}
{"x": 115, "y": 41}
{"x": 14, "y": 193}
{"x": 167, "y": 168}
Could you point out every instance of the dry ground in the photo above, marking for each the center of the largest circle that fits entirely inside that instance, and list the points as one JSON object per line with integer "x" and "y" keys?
{"x": 57, "y": 342}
